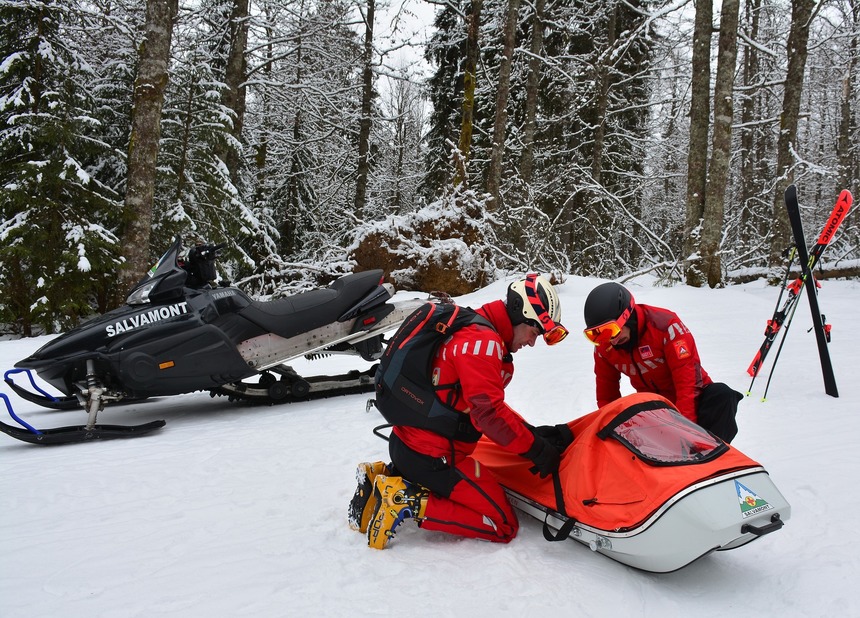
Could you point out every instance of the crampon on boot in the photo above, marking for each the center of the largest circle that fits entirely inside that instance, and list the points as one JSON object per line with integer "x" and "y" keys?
{"x": 363, "y": 502}
{"x": 396, "y": 499}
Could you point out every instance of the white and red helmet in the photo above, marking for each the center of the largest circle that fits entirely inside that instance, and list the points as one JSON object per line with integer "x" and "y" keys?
{"x": 534, "y": 301}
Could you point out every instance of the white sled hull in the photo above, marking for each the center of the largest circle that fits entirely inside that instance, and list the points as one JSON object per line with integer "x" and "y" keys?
{"x": 713, "y": 515}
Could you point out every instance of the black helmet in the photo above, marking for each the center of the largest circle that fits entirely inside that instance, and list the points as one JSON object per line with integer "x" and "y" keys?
{"x": 607, "y": 302}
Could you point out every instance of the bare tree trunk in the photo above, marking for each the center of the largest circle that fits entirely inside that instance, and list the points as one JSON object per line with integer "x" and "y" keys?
{"x": 234, "y": 77}
{"x": 603, "y": 81}
{"x": 364, "y": 123}
{"x": 401, "y": 95}
{"x": 798, "y": 38}
{"x": 261, "y": 149}
{"x": 532, "y": 82}
{"x": 748, "y": 185}
{"x": 404, "y": 96}
{"x": 469, "y": 71}
{"x": 721, "y": 151}
{"x": 697, "y": 156}
{"x": 288, "y": 226}
{"x": 847, "y": 147}
{"x": 148, "y": 98}
{"x": 185, "y": 142}
{"x": 501, "y": 119}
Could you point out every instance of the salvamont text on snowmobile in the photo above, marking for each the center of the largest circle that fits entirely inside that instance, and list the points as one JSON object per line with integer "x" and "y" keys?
{"x": 177, "y": 334}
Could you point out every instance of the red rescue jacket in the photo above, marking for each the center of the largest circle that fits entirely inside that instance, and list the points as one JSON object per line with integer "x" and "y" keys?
{"x": 476, "y": 360}
{"x": 663, "y": 361}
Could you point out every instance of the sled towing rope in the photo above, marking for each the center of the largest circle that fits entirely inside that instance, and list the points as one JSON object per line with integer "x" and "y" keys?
{"x": 93, "y": 399}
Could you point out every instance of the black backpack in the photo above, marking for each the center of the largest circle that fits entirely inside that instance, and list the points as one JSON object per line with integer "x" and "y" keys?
{"x": 405, "y": 394}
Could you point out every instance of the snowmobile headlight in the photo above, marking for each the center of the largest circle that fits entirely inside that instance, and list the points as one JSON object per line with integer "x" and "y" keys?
{"x": 140, "y": 296}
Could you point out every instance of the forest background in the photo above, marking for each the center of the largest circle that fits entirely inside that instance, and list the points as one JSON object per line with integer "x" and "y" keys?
{"x": 599, "y": 138}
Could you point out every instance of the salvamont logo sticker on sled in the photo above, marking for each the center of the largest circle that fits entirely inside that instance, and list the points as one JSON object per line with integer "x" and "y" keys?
{"x": 751, "y": 504}
{"x": 148, "y": 317}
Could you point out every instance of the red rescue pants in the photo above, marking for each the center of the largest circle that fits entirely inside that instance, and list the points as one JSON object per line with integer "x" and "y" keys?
{"x": 465, "y": 500}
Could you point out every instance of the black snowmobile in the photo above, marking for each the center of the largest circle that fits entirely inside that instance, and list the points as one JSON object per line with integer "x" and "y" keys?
{"x": 177, "y": 333}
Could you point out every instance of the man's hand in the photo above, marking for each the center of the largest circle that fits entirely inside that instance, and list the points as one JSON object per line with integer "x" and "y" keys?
{"x": 544, "y": 456}
{"x": 560, "y": 436}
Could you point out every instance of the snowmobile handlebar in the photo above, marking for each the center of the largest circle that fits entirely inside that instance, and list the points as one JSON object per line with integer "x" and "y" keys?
{"x": 206, "y": 252}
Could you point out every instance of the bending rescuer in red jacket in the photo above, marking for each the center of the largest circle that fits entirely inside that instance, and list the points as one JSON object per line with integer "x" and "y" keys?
{"x": 434, "y": 479}
{"x": 657, "y": 352}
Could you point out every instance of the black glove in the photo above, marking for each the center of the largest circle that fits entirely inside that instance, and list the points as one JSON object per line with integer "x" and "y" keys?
{"x": 560, "y": 436}
{"x": 544, "y": 456}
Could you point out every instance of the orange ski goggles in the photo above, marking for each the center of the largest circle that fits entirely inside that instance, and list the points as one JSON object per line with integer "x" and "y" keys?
{"x": 555, "y": 334}
{"x": 603, "y": 333}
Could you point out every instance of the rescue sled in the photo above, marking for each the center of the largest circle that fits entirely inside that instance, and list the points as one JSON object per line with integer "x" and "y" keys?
{"x": 644, "y": 486}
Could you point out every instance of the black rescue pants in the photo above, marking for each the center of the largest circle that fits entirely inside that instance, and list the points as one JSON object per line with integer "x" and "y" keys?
{"x": 432, "y": 472}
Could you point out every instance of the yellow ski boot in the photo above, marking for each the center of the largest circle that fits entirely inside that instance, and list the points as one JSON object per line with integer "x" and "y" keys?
{"x": 396, "y": 499}
{"x": 363, "y": 502}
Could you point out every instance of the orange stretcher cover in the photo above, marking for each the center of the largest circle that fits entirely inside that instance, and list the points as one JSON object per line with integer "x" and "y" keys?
{"x": 616, "y": 478}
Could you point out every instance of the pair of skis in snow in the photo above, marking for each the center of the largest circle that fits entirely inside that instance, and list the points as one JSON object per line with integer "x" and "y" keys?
{"x": 783, "y": 313}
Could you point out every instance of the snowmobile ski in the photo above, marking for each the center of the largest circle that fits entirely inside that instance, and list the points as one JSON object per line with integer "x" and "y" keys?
{"x": 40, "y": 397}
{"x": 79, "y": 433}
{"x": 72, "y": 434}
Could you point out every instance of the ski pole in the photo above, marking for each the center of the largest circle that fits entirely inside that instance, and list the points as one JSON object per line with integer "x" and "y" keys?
{"x": 781, "y": 342}
{"x": 770, "y": 331}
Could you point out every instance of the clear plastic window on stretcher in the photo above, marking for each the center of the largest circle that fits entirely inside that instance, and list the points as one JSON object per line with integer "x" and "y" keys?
{"x": 662, "y": 436}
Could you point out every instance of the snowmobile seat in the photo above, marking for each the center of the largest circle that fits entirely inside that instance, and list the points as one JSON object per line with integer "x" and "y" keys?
{"x": 305, "y": 311}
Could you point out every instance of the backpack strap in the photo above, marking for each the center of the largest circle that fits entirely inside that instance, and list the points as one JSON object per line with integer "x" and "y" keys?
{"x": 443, "y": 327}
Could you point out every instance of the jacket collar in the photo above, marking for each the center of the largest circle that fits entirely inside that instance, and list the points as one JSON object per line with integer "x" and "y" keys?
{"x": 497, "y": 313}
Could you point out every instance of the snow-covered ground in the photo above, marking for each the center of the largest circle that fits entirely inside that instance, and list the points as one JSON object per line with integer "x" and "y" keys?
{"x": 234, "y": 510}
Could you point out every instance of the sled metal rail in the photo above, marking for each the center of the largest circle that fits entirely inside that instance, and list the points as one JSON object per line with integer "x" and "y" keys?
{"x": 17, "y": 419}
{"x": 556, "y": 519}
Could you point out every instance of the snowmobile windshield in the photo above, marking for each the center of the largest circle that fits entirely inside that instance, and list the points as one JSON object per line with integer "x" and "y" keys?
{"x": 660, "y": 435}
{"x": 159, "y": 278}
{"x": 168, "y": 261}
